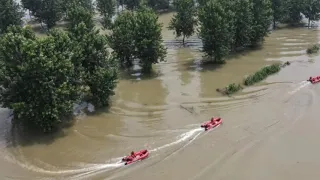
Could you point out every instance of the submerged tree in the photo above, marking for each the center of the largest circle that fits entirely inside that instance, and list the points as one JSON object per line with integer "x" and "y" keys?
{"x": 48, "y": 12}
{"x": 99, "y": 69}
{"x": 87, "y": 4}
{"x": 35, "y": 77}
{"x": 242, "y": 23}
{"x": 10, "y": 14}
{"x": 131, "y": 4}
{"x": 148, "y": 39}
{"x": 184, "y": 22}
{"x": 262, "y": 17}
{"x": 158, "y": 4}
{"x": 293, "y": 10}
{"x": 77, "y": 15}
{"x": 216, "y": 31}
{"x": 277, "y": 11}
{"x": 137, "y": 35}
{"x": 42, "y": 78}
{"x": 122, "y": 37}
{"x": 312, "y": 10}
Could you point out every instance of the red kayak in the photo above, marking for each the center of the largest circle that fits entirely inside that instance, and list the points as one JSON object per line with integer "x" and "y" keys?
{"x": 314, "y": 80}
{"x": 136, "y": 156}
{"x": 212, "y": 123}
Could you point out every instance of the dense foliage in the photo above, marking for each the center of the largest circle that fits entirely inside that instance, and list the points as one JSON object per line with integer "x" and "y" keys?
{"x": 107, "y": 10}
{"x": 42, "y": 78}
{"x": 184, "y": 22}
{"x": 10, "y": 14}
{"x": 158, "y": 4}
{"x": 35, "y": 77}
{"x": 137, "y": 35}
{"x": 48, "y": 12}
{"x": 216, "y": 29}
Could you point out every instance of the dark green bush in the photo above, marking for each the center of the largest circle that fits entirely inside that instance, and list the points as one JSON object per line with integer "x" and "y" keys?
{"x": 313, "y": 49}
{"x": 262, "y": 74}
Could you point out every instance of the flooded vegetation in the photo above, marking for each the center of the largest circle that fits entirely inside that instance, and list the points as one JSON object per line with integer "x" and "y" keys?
{"x": 264, "y": 124}
{"x": 313, "y": 49}
{"x": 262, "y": 74}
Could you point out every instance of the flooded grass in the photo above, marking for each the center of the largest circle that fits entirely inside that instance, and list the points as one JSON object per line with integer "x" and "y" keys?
{"x": 252, "y": 79}
{"x": 230, "y": 89}
{"x": 262, "y": 74}
{"x": 313, "y": 49}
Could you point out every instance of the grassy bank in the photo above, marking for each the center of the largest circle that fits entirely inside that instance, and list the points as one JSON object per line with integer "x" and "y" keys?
{"x": 260, "y": 75}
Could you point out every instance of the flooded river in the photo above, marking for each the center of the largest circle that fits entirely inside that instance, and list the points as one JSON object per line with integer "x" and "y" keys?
{"x": 270, "y": 131}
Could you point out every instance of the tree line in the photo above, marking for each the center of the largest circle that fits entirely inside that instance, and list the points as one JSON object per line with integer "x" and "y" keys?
{"x": 42, "y": 78}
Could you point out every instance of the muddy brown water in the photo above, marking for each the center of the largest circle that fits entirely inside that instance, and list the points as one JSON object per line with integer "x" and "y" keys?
{"x": 270, "y": 131}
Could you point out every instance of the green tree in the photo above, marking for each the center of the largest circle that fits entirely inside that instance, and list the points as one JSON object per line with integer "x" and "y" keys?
{"x": 184, "y": 22}
{"x": 31, "y": 5}
{"x": 107, "y": 10}
{"x": 77, "y": 15}
{"x": 293, "y": 10}
{"x": 100, "y": 70}
{"x": 10, "y": 14}
{"x": 48, "y": 12}
{"x": 312, "y": 10}
{"x": 202, "y": 2}
{"x": 262, "y": 18}
{"x": 35, "y": 77}
{"x": 278, "y": 11}
{"x": 148, "y": 39}
{"x": 216, "y": 30}
{"x": 158, "y": 4}
{"x": 242, "y": 22}
{"x": 121, "y": 39}
{"x": 131, "y": 4}
{"x": 87, "y": 4}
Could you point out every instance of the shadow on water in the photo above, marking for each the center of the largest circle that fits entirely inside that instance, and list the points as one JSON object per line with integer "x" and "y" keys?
{"x": 18, "y": 135}
{"x": 202, "y": 65}
{"x": 243, "y": 52}
{"x": 135, "y": 75}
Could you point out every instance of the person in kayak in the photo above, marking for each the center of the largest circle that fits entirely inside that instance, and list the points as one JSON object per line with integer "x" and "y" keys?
{"x": 310, "y": 79}
{"x": 133, "y": 155}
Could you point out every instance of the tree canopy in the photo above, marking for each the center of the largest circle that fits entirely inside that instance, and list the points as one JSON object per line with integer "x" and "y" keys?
{"x": 10, "y": 14}
{"x": 42, "y": 78}
{"x": 137, "y": 35}
{"x": 184, "y": 22}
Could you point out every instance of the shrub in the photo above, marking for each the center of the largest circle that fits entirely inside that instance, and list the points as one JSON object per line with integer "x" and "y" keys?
{"x": 262, "y": 74}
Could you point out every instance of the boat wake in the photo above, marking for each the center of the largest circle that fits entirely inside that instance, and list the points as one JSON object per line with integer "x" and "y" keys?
{"x": 301, "y": 85}
{"x": 112, "y": 164}
{"x": 183, "y": 137}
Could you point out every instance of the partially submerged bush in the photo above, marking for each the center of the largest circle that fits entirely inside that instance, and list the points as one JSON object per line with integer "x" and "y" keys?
{"x": 313, "y": 49}
{"x": 262, "y": 74}
{"x": 230, "y": 89}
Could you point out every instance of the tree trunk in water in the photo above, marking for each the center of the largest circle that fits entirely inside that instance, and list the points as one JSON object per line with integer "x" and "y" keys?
{"x": 309, "y": 23}
{"x": 183, "y": 40}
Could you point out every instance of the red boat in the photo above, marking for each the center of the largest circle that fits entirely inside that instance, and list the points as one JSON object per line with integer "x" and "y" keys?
{"x": 136, "y": 156}
{"x": 314, "y": 80}
{"x": 212, "y": 123}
